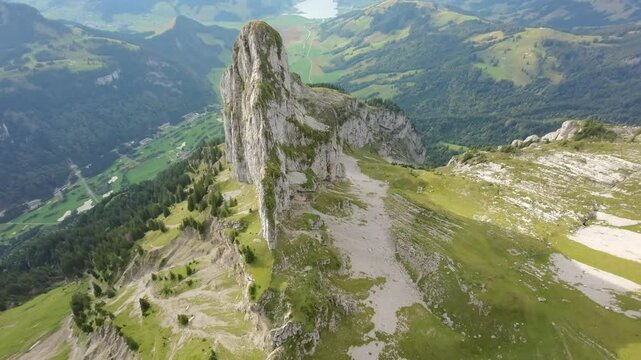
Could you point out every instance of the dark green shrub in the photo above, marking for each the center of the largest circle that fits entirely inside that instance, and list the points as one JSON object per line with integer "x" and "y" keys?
{"x": 183, "y": 319}
{"x": 145, "y": 306}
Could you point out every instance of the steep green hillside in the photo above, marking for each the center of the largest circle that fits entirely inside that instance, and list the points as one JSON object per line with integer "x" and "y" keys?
{"x": 197, "y": 47}
{"x": 180, "y": 242}
{"x": 71, "y": 95}
{"x": 466, "y": 80}
{"x": 502, "y": 248}
{"x": 36, "y": 319}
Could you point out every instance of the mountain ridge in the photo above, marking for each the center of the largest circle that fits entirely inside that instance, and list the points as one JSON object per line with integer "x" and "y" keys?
{"x": 70, "y": 92}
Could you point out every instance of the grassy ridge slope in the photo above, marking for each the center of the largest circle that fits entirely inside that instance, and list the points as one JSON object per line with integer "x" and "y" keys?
{"x": 482, "y": 259}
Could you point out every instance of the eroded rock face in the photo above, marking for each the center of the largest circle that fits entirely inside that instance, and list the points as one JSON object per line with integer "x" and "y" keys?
{"x": 104, "y": 343}
{"x": 274, "y": 125}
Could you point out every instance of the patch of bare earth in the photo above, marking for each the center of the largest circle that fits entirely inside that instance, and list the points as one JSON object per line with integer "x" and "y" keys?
{"x": 365, "y": 238}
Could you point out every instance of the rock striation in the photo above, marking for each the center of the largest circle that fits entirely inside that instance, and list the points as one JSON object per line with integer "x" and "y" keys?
{"x": 281, "y": 135}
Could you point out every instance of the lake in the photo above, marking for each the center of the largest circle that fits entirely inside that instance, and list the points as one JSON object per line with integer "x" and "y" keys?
{"x": 318, "y": 9}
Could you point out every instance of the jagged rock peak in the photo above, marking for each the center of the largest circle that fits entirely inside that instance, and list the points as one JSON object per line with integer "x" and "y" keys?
{"x": 283, "y": 136}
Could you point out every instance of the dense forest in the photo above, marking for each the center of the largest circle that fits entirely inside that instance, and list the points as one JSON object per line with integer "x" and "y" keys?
{"x": 100, "y": 240}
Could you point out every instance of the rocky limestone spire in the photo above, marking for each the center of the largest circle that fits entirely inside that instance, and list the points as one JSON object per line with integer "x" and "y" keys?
{"x": 282, "y": 136}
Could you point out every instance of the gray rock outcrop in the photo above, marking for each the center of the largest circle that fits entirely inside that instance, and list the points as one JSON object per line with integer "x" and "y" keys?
{"x": 275, "y": 125}
{"x": 566, "y": 132}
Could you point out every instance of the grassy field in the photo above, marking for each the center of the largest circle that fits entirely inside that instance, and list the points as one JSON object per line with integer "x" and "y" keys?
{"x": 486, "y": 281}
{"x": 521, "y": 58}
{"x": 454, "y": 147}
{"x": 75, "y": 51}
{"x": 247, "y": 212}
{"x": 143, "y": 164}
{"x": 22, "y": 326}
{"x": 148, "y": 332}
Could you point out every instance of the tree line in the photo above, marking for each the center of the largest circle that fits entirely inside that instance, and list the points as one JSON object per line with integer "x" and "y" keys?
{"x": 99, "y": 241}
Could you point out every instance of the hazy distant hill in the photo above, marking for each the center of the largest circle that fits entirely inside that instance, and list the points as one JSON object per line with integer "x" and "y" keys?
{"x": 73, "y": 94}
{"x": 198, "y": 47}
{"x": 151, "y": 14}
{"x": 556, "y": 13}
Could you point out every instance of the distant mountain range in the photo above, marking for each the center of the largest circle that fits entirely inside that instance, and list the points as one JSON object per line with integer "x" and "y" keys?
{"x": 555, "y": 13}
{"x": 469, "y": 80}
{"x": 72, "y": 94}
{"x": 142, "y": 15}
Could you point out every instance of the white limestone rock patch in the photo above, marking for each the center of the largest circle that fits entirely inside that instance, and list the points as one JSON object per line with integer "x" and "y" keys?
{"x": 108, "y": 79}
{"x": 600, "y": 286}
{"x": 618, "y": 242}
{"x": 600, "y": 168}
{"x": 613, "y": 220}
{"x": 64, "y": 216}
{"x": 86, "y": 206}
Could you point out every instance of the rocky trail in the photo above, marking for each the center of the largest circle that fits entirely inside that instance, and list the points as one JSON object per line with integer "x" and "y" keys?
{"x": 365, "y": 238}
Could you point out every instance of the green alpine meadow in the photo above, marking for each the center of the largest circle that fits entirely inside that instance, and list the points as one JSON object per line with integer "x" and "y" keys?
{"x": 320, "y": 179}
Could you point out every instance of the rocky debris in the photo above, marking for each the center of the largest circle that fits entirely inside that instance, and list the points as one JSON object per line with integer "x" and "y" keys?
{"x": 282, "y": 334}
{"x": 628, "y": 133}
{"x": 108, "y": 79}
{"x": 4, "y": 132}
{"x": 567, "y": 131}
{"x": 345, "y": 303}
{"x": 274, "y": 125}
{"x": 106, "y": 343}
{"x": 570, "y": 128}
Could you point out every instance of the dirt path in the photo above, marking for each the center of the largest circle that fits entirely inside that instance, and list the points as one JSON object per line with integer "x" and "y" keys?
{"x": 365, "y": 238}
{"x": 74, "y": 168}
{"x": 308, "y": 43}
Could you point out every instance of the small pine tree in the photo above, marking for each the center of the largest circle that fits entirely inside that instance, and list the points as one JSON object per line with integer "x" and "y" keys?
{"x": 252, "y": 291}
{"x": 97, "y": 290}
{"x": 191, "y": 203}
{"x": 250, "y": 257}
{"x": 213, "y": 356}
{"x": 189, "y": 270}
{"x": 145, "y": 306}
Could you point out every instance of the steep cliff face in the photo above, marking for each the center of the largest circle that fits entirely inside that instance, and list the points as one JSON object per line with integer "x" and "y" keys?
{"x": 281, "y": 135}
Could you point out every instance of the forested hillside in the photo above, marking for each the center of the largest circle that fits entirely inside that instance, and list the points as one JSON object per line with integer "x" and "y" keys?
{"x": 467, "y": 80}
{"x": 555, "y": 13}
{"x": 71, "y": 95}
{"x": 100, "y": 240}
